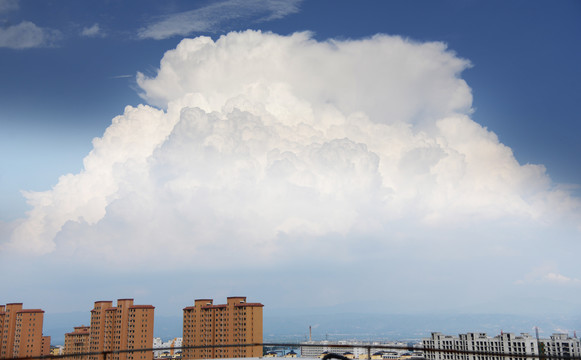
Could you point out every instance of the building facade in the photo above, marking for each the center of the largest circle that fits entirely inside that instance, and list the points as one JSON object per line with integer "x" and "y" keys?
{"x": 489, "y": 347}
{"x": 117, "y": 329}
{"x": 45, "y": 347}
{"x": 207, "y": 325}
{"x": 97, "y": 328}
{"x": 21, "y": 332}
{"x": 77, "y": 342}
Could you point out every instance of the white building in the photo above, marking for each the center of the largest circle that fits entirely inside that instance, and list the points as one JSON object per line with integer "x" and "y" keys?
{"x": 506, "y": 343}
{"x": 561, "y": 345}
{"x": 359, "y": 349}
{"x": 168, "y": 347}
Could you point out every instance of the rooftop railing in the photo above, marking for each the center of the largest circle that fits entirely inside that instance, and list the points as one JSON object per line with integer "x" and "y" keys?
{"x": 475, "y": 355}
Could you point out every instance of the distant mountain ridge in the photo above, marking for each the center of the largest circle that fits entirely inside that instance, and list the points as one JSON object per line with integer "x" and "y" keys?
{"x": 352, "y": 326}
{"x": 409, "y": 327}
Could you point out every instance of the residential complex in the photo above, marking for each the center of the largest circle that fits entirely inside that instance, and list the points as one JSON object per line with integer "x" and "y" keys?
{"x": 507, "y": 343}
{"x": 236, "y": 322}
{"x": 21, "y": 332}
{"x": 122, "y": 327}
{"x": 234, "y": 330}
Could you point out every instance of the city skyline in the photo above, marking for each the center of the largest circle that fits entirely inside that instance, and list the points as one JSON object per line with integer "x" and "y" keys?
{"x": 389, "y": 158}
{"x": 296, "y": 326}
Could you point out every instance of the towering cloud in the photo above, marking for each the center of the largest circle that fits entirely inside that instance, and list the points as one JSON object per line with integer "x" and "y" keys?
{"x": 267, "y": 144}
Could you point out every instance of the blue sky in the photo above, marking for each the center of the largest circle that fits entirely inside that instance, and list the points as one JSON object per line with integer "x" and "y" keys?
{"x": 509, "y": 71}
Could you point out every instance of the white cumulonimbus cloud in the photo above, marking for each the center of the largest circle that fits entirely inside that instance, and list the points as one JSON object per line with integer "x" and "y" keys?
{"x": 267, "y": 143}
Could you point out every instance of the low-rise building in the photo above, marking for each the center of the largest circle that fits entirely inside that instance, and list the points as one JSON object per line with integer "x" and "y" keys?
{"x": 168, "y": 349}
{"x": 57, "y": 350}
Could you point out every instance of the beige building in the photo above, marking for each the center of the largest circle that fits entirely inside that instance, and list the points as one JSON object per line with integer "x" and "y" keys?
{"x": 21, "y": 332}
{"x": 56, "y": 350}
{"x": 236, "y": 322}
{"x": 119, "y": 328}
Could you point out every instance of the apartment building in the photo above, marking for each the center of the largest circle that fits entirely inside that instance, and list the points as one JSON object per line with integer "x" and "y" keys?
{"x": 77, "y": 342}
{"x": 236, "y": 322}
{"x": 97, "y": 328}
{"x": 562, "y": 345}
{"x": 120, "y": 328}
{"x": 506, "y": 343}
{"x": 21, "y": 332}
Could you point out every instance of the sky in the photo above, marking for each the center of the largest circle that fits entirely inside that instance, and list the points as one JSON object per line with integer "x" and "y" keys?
{"x": 382, "y": 157}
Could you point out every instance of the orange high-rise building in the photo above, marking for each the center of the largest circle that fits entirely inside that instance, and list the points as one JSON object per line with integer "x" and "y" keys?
{"x": 97, "y": 328}
{"x": 77, "y": 342}
{"x": 124, "y": 327}
{"x": 236, "y": 322}
{"x": 8, "y": 321}
{"x": 21, "y": 332}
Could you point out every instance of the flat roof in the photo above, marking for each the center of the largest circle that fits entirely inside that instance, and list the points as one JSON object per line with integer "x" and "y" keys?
{"x": 30, "y": 311}
{"x": 78, "y": 333}
{"x": 214, "y": 306}
{"x": 249, "y": 305}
